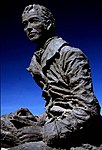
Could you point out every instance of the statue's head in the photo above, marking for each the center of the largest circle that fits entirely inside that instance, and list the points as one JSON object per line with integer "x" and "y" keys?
{"x": 38, "y": 22}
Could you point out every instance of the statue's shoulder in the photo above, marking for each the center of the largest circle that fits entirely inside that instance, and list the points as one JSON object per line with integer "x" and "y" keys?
{"x": 70, "y": 50}
{"x": 57, "y": 43}
{"x": 53, "y": 46}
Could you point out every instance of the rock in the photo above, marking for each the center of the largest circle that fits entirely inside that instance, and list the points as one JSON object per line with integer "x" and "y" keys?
{"x": 20, "y": 124}
{"x": 30, "y": 134}
{"x": 87, "y": 147}
{"x": 33, "y": 146}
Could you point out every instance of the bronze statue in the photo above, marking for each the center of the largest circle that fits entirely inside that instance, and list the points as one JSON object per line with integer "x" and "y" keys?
{"x": 64, "y": 75}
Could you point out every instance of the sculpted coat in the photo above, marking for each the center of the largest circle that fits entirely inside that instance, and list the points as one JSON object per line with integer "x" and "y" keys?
{"x": 63, "y": 73}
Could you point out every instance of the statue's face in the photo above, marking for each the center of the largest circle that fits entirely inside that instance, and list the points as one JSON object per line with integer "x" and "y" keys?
{"x": 33, "y": 26}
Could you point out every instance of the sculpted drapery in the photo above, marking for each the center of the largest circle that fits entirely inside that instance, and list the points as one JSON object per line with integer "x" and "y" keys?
{"x": 63, "y": 73}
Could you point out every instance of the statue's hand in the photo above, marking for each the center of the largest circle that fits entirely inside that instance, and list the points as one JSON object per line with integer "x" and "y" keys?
{"x": 30, "y": 134}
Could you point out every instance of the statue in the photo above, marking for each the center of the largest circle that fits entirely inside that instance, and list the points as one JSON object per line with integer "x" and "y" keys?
{"x": 64, "y": 75}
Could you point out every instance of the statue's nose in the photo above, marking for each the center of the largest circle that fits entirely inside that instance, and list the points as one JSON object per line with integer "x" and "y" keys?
{"x": 29, "y": 27}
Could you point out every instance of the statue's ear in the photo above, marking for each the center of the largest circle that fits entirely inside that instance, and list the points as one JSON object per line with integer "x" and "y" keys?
{"x": 48, "y": 25}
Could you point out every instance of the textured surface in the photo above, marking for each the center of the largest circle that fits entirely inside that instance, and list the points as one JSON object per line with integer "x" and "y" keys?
{"x": 65, "y": 79}
{"x": 72, "y": 119}
{"x": 43, "y": 146}
{"x": 66, "y": 83}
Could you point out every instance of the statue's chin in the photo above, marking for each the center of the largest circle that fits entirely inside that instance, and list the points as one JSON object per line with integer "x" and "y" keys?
{"x": 35, "y": 39}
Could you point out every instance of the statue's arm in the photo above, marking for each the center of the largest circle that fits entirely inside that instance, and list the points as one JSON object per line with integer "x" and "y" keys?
{"x": 77, "y": 70}
{"x": 81, "y": 99}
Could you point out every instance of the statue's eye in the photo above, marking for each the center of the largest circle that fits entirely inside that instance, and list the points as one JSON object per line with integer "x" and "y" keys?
{"x": 34, "y": 20}
{"x": 25, "y": 24}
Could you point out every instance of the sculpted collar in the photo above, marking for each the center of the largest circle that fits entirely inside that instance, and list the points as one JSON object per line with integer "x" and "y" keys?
{"x": 52, "y": 46}
{"x": 51, "y": 49}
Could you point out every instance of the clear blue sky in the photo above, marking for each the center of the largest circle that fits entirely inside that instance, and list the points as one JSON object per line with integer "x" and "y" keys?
{"x": 78, "y": 22}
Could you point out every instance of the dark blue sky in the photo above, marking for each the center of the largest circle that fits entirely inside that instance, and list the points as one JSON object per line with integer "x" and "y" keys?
{"x": 79, "y": 22}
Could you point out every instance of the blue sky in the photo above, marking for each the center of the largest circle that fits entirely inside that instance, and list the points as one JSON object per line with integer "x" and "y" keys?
{"x": 78, "y": 22}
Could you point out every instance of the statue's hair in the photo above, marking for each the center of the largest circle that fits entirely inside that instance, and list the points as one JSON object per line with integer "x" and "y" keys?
{"x": 44, "y": 13}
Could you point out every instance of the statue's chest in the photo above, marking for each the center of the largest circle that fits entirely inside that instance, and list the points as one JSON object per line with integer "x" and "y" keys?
{"x": 53, "y": 70}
